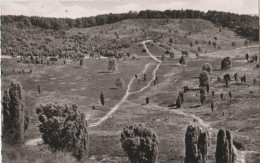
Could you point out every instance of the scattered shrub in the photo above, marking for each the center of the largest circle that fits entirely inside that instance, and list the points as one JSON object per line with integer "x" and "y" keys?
{"x": 120, "y": 83}
{"x": 163, "y": 57}
{"x": 112, "y": 65}
{"x": 182, "y": 60}
{"x": 227, "y": 78}
{"x": 204, "y": 78}
{"x": 102, "y": 98}
{"x": 226, "y": 63}
{"x": 171, "y": 55}
{"x": 207, "y": 67}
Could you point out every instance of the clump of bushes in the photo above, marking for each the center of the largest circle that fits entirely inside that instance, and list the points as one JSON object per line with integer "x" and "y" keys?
{"x": 64, "y": 128}
{"x": 226, "y": 63}
{"x": 140, "y": 144}
{"x": 197, "y": 144}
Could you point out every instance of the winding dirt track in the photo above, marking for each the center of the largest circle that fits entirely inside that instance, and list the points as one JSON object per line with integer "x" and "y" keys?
{"x": 128, "y": 89}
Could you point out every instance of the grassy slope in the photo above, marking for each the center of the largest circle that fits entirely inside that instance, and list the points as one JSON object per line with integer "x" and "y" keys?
{"x": 67, "y": 83}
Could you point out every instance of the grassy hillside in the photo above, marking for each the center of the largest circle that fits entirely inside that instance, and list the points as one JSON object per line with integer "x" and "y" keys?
{"x": 71, "y": 83}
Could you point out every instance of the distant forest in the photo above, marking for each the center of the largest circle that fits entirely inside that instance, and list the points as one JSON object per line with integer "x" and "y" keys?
{"x": 243, "y": 25}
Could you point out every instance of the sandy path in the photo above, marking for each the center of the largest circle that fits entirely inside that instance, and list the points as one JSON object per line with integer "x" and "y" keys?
{"x": 129, "y": 87}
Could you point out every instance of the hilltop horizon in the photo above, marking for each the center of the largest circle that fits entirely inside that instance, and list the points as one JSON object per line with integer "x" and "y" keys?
{"x": 257, "y": 15}
{"x": 94, "y": 8}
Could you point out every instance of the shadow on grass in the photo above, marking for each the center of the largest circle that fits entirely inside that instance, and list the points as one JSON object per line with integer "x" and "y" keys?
{"x": 114, "y": 88}
{"x": 196, "y": 106}
{"x": 77, "y": 67}
{"x": 104, "y": 72}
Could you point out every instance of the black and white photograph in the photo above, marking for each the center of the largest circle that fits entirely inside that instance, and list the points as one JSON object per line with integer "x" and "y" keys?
{"x": 130, "y": 81}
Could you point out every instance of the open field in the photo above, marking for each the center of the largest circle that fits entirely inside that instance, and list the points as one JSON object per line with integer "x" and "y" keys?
{"x": 71, "y": 83}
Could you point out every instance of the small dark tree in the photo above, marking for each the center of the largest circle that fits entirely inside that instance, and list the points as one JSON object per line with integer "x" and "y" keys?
{"x": 171, "y": 40}
{"x": 221, "y": 96}
{"x": 197, "y": 145}
{"x": 64, "y": 128}
{"x": 171, "y": 55}
{"x": 214, "y": 44}
{"x": 182, "y": 60}
{"x": 204, "y": 78}
{"x": 202, "y": 98}
{"x": 244, "y": 78}
{"x": 178, "y": 102}
{"x": 230, "y": 94}
{"x": 212, "y": 106}
{"x": 147, "y": 100}
{"x": 39, "y": 89}
{"x": 233, "y": 44}
{"x": 227, "y": 79}
{"x": 247, "y": 57}
{"x": 226, "y": 63}
{"x": 207, "y": 87}
{"x": 140, "y": 144}
{"x": 81, "y": 62}
{"x": 235, "y": 76}
{"x": 255, "y": 57}
{"x": 145, "y": 77}
{"x": 181, "y": 95}
{"x": 102, "y": 98}
{"x": 224, "y": 150}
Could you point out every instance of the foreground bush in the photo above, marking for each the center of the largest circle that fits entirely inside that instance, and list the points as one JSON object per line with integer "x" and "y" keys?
{"x": 64, "y": 128}
{"x": 224, "y": 150}
{"x": 140, "y": 144}
{"x": 197, "y": 145}
{"x": 15, "y": 120}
